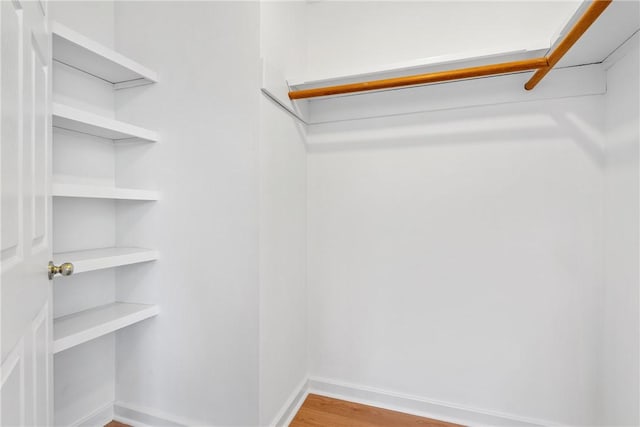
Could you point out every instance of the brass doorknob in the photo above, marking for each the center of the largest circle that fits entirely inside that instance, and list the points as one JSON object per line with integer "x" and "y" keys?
{"x": 65, "y": 269}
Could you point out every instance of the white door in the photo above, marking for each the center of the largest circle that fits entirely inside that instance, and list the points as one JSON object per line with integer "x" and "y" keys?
{"x": 25, "y": 158}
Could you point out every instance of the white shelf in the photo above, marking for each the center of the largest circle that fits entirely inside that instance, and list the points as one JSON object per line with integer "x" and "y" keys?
{"x": 84, "y": 54}
{"x": 74, "y": 329}
{"x": 70, "y": 118}
{"x": 97, "y": 259}
{"x": 102, "y": 192}
{"x": 425, "y": 65}
{"x": 618, "y": 23}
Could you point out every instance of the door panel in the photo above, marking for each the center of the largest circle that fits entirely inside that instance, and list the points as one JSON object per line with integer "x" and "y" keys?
{"x": 41, "y": 356}
{"x": 10, "y": 130}
{"x": 13, "y": 405}
{"x": 26, "y": 315}
{"x": 39, "y": 145}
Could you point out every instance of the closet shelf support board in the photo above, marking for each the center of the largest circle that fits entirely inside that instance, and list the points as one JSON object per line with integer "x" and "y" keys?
{"x": 78, "y": 328}
{"x": 102, "y": 192}
{"x": 543, "y": 65}
{"x": 579, "y": 28}
{"x": 98, "y": 259}
{"x": 69, "y": 118}
{"x": 82, "y": 53}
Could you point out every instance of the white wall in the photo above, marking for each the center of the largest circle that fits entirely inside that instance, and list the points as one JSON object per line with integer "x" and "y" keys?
{"x": 198, "y": 360}
{"x": 354, "y": 36}
{"x": 84, "y": 375}
{"x": 622, "y": 274}
{"x": 465, "y": 265}
{"x": 283, "y": 214}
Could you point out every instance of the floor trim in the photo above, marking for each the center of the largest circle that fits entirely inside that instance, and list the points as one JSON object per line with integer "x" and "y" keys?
{"x": 292, "y": 405}
{"x": 98, "y": 417}
{"x": 140, "y": 416}
{"x": 415, "y": 405}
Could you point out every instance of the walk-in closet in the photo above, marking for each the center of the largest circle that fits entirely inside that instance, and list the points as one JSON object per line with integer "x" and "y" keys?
{"x": 316, "y": 213}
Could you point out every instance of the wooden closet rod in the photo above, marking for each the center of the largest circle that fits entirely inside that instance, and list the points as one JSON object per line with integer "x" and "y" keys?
{"x": 590, "y": 15}
{"x": 542, "y": 65}
{"x": 440, "y": 76}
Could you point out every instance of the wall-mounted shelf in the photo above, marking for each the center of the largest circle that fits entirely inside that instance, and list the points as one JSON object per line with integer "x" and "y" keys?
{"x": 447, "y": 82}
{"x": 102, "y": 192}
{"x": 582, "y": 20}
{"x": 97, "y": 259}
{"x": 84, "y": 54}
{"x": 77, "y": 120}
{"x": 78, "y": 328}
{"x": 424, "y": 65}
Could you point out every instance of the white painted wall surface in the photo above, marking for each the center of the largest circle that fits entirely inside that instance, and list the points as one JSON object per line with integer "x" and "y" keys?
{"x": 622, "y": 273}
{"x": 93, "y": 19}
{"x": 346, "y": 37}
{"x": 198, "y": 360}
{"x": 283, "y": 215}
{"x": 465, "y": 265}
{"x": 84, "y": 376}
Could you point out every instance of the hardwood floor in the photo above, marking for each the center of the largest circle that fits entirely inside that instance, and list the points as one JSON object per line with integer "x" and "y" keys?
{"x": 116, "y": 424}
{"x": 320, "y": 411}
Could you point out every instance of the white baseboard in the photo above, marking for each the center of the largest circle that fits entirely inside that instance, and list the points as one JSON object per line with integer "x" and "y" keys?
{"x": 140, "y": 416}
{"x": 291, "y": 406}
{"x": 98, "y": 417}
{"x": 415, "y": 405}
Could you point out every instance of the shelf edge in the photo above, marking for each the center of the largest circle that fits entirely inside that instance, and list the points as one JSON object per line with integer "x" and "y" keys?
{"x": 62, "y": 31}
{"x": 104, "y": 262}
{"x": 98, "y": 192}
{"x": 101, "y": 122}
{"x": 106, "y": 328}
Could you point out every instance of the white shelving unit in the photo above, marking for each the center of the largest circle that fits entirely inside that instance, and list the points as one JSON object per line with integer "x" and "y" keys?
{"x": 84, "y": 54}
{"x": 102, "y": 192}
{"x": 74, "y": 329}
{"x": 70, "y": 118}
{"x": 97, "y": 259}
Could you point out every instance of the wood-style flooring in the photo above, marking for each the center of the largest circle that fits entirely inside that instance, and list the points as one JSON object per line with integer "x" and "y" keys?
{"x": 320, "y": 411}
{"x": 116, "y": 424}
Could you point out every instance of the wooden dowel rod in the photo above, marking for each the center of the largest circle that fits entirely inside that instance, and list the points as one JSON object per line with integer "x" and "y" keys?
{"x": 541, "y": 65}
{"x": 592, "y": 13}
{"x": 440, "y": 76}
